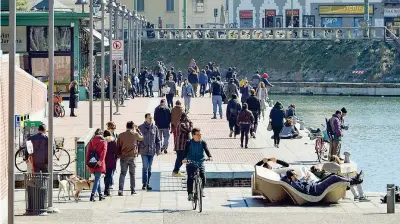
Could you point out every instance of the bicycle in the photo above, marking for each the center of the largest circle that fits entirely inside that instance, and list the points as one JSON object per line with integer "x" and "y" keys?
{"x": 322, "y": 145}
{"x": 59, "y": 154}
{"x": 121, "y": 92}
{"x": 59, "y": 110}
{"x": 197, "y": 187}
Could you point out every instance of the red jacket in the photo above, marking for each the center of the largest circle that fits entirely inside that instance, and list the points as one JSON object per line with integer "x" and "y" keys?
{"x": 99, "y": 144}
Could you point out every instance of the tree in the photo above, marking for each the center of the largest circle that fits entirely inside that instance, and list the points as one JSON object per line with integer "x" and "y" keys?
{"x": 23, "y": 5}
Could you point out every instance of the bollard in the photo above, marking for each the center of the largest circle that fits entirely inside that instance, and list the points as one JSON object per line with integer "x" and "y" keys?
{"x": 390, "y": 202}
{"x": 347, "y": 157}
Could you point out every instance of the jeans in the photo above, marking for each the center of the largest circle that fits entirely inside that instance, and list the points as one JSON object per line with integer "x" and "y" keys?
{"x": 255, "y": 125}
{"x": 147, "y": 161}
{"x": 178, "y": 161}
{"x": 321, "y": 186}
{"x": 277, "y": 130}
{"x": 233, "y": 125}
{"x": 142, "y": 86}
{"x": 360, "y": 191}
{"x": 187, "y": 100}
{"x": 244, "y": 133}
{"x": 150, "y": 90}
{"x": 217, "y": 101}
{"x": 96, "y": 183}
{"x": 170, "y": 100}
{"x": 108, "y": 179}
{"x": 202, "y": 89}
{"x": 195, "y": 85}
{"x": 190, "y": 170}
{"x": 164, "y": 137}
{"x": 126, "y": 163}
{"x": 160, "y": 83}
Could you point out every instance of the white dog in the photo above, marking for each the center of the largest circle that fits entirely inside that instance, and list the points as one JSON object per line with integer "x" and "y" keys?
{"x": 65, "y": 185}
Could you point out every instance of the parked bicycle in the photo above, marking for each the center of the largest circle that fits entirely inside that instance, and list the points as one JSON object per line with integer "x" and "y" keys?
{"x": 121, "y": 96}
{"x": 61, "y": 157}
{"x": 197, "y": 187}
{"x": 59, "y": 110}
{"x": 322, "y": 145}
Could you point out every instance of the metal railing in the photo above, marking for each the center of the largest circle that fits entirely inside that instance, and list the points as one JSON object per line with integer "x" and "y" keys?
{"x": 297, "y": 33}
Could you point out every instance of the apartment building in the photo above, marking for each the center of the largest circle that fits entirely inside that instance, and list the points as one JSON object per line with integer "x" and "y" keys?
{"x": 180, "y": 13}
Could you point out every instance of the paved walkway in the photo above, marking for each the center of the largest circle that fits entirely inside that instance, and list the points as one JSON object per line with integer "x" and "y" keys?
{"x": 221, "y": 204}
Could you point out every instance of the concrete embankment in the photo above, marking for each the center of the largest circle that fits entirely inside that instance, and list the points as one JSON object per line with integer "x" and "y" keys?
{"x": 328, "y": 88}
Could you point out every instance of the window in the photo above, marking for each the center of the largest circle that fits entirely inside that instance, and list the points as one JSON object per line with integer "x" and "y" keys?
{"x": 140, "y": 5}
{"x": 38, "y": 38}
{"x": 199, "y": 5}
{"x": 170, "y": 5}
{"x": 169, "y": 26}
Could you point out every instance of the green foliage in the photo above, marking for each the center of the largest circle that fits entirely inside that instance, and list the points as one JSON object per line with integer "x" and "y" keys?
{"x": 23, "y": 5}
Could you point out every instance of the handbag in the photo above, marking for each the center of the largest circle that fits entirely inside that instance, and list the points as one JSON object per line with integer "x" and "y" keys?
{"x": 269, "y": 128}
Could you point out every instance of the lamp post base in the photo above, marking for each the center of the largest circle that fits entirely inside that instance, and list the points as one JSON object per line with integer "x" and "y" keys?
{"x": 117, "y": 113}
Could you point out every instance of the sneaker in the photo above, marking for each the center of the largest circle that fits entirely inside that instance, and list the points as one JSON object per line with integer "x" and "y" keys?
{"x": 253, "y": 134}
{"x": 230, "y": 134}
{"x": 190, "y": 197}
{"x": 101, "y": 197}
{"x": 234, "y": 136}
{"x": 165, "y": 151}
{"x": 133, "y": 192}
{"x": 241, "y": 145}
{"x": 149, "y": 188}
{"x": 246, "y": 147}
{"x": 364, "y": 199}
{"x": 214, "y": 118}
{"x": 120, "y": 193}
{"x": 277, "y": 145}
{"x": 356, "y": 198}
{"x": 111, "y": 187}
{"x": 144, "y": 187}
{"x": 178, "y": 174}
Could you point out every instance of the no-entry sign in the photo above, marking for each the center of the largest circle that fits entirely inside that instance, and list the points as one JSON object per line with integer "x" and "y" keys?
{"x": 117, "y": 49}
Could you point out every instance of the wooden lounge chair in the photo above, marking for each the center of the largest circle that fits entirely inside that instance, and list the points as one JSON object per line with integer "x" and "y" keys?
{"x": 268, "y": 183}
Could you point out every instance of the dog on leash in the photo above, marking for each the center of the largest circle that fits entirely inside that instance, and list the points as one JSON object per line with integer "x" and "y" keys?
{"x": 65, "y": 185}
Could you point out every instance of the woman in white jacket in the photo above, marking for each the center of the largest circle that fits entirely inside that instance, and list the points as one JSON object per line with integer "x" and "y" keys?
{"x": 262, "y": 96}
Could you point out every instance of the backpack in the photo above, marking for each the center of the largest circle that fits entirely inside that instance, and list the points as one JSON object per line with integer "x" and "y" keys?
{"x": 329, "y": 127}
{"x": 93, "y": 157}
{"x": 234, "y": 111}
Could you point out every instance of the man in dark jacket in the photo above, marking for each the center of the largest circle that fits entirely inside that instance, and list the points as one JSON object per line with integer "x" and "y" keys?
{"x": 148, "y": 148}
{"x": 232, "y": 111}
{"x": 159, "y": 71}
{"x": 162, "y": 118}
{"x": 172, "y": 91}
{"x": 229, "y": 74}
{"x": 142, "y": 81}
{"x": 173, "y": 73}
{"x": 216, "y": 91}
{"x": 209, "y": 73}
{"x": 255, "y": 108}
{"x": 193, "y": 79}
{"x": 150, "y": 81}
{"x": 40, "y": 148}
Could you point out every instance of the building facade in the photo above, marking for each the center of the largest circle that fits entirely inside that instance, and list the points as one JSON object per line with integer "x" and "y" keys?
{"x": 306, "y": 13}
{"x": 180, "y": 13}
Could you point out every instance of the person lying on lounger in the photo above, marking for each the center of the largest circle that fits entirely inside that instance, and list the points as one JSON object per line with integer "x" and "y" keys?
{"x": 265, "y": 163}
{"x": 322, "y": 174}
{"x": 317, "y": 188}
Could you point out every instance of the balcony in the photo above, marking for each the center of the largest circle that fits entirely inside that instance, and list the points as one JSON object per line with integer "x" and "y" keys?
{"x": 200, "y": 7}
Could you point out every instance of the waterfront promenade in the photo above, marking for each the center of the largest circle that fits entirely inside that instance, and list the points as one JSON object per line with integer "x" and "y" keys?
{"x": 233, "y": 205}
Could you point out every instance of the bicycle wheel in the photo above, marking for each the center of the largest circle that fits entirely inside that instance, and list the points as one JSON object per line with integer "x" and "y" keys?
{"x": 61, "y": 159}
{"x": 194, "y": 201}
{"x": 318, "y": 148}
{"x": 57, "y": 110}
{"x": 20, "y": 163}
{"x": 325, "y": 151}
{"x": 200, "y": 194}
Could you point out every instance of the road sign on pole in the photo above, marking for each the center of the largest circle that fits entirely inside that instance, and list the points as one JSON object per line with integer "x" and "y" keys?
{"x": 117, "y": 50}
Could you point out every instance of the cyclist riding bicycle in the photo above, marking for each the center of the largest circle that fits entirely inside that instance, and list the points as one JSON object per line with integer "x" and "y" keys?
{"x": 194, "y": 158}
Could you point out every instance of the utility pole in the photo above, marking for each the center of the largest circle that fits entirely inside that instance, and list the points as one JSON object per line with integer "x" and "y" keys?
{"x": 184, "y": 15}
{"x": 366, "y": 18}
{"x": 103, "y": 59}
{"x": 111, "y": 6}
{"x": 91, "y": 50}
{"x": 291, "y": 15}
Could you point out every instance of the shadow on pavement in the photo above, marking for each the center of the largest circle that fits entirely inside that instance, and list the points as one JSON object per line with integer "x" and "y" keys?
{"x": 155, "y": 211}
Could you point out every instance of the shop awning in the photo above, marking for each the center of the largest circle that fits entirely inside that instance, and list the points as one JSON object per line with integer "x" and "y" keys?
{"x": 98, "y": 35}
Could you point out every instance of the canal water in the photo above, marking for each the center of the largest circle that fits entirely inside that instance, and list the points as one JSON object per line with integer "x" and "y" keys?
{"x": 373, "y": 135}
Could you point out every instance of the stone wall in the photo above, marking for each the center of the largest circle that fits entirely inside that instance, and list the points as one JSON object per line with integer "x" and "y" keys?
{"x": 30, "y": 99}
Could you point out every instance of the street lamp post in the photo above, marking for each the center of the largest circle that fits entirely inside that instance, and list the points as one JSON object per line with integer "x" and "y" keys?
{"x": 118, "y": 9}
{"x": 140, "y": 39}
{"x": 91, "y": 50}
{"x": 128, "y": 42}
{"x": 111, "y": 6}
{"x": 133, "y": 42}
{"x": 123, "y": 13}
{"x": 103, "y": 58}
{"x": 137, "y": 24}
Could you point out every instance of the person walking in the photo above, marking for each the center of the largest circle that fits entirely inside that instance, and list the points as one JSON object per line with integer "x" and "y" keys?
{"x": 231, "y": 89}
{"x": 194, "y": 157}
{"x": 39, "y": 155}
{"x": 245, "y": 91}
{"x": 183, "y": 130}
{"x": 111, "y": 161}
{"x": 180, "y": 78}
{"x": 142, "y": 81}
{"x": 232, "y": 111}
{"x": 176, "y": 114}
{"x": 127, "y": 152}
{"x": 187, "y": 94}
{"x": 203, "y": 79}
{"x": 254, "y": 106}
{"x": 276, "y": 117}
{"x": 245, "y": 120}
{"x": 216, "y": 91}
{"x": 193, "y": 79}
{"x": 149, "y": 147}
{"x": 95, "y": 160}
{"x": 73, "y": 97}
{"x": 172, "y": 91}
{"x": 255, "y": 79}
{"x": 262, "y": 95}
{"x": 150, "y": 81}
{"x": 160, "y": 73}
{"x": 162, "y": 118}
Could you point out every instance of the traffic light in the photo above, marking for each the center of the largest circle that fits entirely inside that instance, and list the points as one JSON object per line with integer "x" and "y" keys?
{"x": 215, "y": 12}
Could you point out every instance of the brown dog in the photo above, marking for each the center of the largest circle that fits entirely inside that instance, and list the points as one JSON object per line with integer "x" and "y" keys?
{"x": 80, "y": 185}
